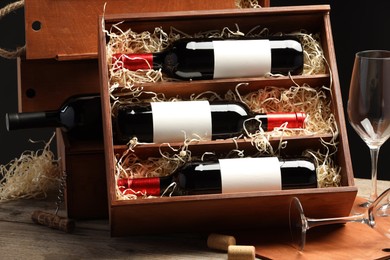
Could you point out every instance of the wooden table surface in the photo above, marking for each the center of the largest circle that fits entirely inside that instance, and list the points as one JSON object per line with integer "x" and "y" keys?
{"x": 20, "y": 238}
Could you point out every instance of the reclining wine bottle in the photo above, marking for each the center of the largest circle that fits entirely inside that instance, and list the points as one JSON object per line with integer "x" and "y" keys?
{"x": 206, "y": 58}
{"x": 80, "y": 116}
{"x": 228, "y": 176}
{"x": 159, "y": 122}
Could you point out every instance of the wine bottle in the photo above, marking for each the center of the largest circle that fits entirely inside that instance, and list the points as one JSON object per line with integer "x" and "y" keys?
{"x": 194, "y": 59}
{"x": 228, "y": 176}
{"x": 80, "y": 116}
{"x": 159, "y": 122}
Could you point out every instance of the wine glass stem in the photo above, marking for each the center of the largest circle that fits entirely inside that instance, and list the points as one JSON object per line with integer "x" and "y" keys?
{"x": 313, "y": 222}
{"x": 374, "y": 153}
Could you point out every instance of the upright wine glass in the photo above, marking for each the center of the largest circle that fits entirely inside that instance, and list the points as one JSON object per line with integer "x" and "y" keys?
{"x": 376, "y": 216}
{"x": 369, "y": 105}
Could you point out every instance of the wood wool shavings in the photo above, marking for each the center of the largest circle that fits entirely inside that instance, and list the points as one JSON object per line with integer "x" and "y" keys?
{"x": 328, "y": 173}
{"x": 31, "y": 175}
{"x": 247, "y": 4}
{"x": 315, "y": 102}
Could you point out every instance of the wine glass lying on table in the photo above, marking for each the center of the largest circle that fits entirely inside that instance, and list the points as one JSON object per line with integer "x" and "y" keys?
{"x": 376, "y": 216}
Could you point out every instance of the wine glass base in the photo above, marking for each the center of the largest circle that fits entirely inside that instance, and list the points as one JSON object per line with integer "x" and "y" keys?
{"x": 298, "y": 224}
{"x": 384, "y": 211}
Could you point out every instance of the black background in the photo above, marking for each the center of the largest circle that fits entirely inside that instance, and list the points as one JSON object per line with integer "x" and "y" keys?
{"x": 12, "y": 144}
{"x": 356, "y": 25}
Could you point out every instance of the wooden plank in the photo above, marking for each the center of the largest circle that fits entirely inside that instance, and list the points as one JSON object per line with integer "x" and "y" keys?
{"x": 68, "y": 29}
{"x": 21, "y": 239}
{"x": 46, "y": 84}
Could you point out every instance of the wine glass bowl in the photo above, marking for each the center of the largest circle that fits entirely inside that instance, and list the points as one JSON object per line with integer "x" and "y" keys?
{"x": 376, "y": 216}
{"x": 369, "y": 104}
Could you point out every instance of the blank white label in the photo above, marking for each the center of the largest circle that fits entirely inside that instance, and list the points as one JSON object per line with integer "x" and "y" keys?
{"x": 250, "y": 174}
{"x": 241, "y": 58}
{"x": 174, "y": 121}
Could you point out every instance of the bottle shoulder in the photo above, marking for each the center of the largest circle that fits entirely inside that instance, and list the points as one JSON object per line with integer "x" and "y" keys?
{"x": 79, "y": 100}
{"x": 230, "y": 107}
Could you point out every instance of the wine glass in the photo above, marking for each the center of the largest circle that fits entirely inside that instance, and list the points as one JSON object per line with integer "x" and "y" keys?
{"x": 376, "y": 216}
{"x": 369, "y": 105}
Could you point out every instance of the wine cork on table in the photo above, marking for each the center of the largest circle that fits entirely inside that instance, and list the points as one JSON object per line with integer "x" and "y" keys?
{"x": 241, "y": 252}
{"x": 53, "y": 221}
{"x": 220, "y": 242}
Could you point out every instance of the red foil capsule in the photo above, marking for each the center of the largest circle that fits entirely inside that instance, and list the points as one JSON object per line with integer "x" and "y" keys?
{"x": 140, "y": 186}
{"x": 132, "y": 62}
{"x": 294, "y": 120}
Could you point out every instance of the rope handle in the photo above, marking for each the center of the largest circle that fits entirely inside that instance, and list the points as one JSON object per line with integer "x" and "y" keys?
{"x": 11, "y": 54}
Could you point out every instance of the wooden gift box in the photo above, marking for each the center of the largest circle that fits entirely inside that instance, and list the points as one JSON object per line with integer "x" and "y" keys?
{"x": 238, "y": 211}
{"x": 61, "y": 61}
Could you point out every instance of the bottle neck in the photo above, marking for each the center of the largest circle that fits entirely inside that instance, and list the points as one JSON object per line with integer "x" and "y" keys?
{"x": 230, "y": 118}
{"x": 146, "y": 186}
{"x": 289, "y": 119}
{"x": 136, "y": 61}
{"x": 33, "y": 120}
{"x": 270, "y": 121}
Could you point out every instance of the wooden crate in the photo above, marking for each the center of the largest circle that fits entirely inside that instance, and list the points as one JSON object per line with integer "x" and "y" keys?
{"x": 238, "y": 211}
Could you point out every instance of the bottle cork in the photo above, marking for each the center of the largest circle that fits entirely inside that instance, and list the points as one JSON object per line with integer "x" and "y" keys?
{"x": 53, "y": 221}
{"x": 220, "y": 242}
{"x": 241, "y": 252}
